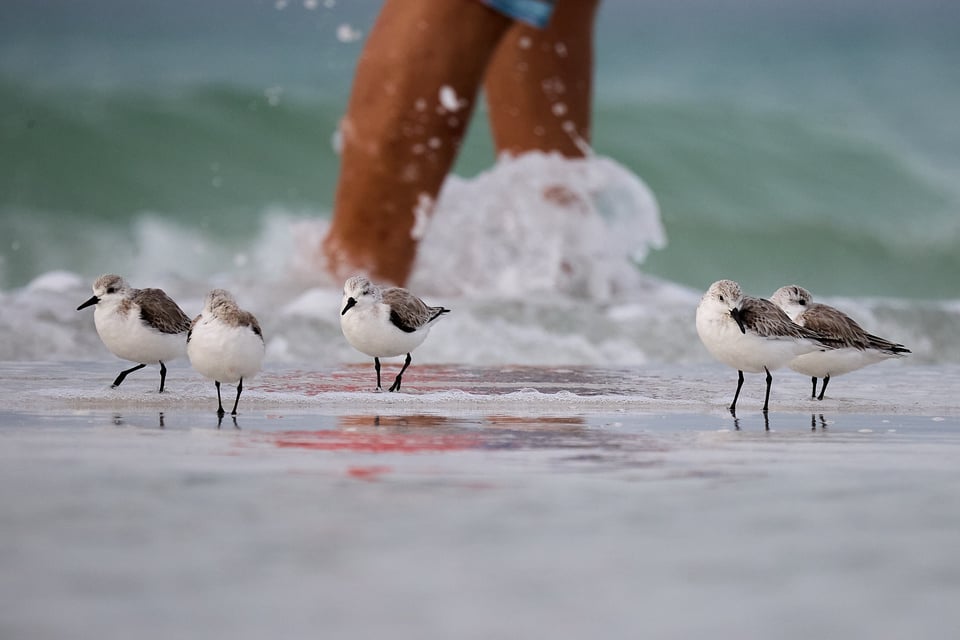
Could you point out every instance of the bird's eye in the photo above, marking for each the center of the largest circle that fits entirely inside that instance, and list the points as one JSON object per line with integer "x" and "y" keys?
{"x": 803, "y": 302}
{"x": 111, "y": 289}
{"x": 721, "y": 298}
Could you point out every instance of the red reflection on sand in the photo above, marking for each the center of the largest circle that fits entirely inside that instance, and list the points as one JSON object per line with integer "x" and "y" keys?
{"x": 375, "y": 442}
{"x": 368, "y": 473}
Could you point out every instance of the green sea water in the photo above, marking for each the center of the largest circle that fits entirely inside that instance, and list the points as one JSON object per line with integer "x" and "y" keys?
{"x": 789, "y": 142}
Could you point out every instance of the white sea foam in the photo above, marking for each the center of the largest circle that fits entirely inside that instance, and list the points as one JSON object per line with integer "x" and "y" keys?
{"x": 531, "y": 279}
{"x": 540, "y": 223}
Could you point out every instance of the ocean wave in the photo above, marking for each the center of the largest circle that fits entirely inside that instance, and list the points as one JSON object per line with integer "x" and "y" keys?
{"x": 532, "y": 280}
{"x": 762, "y": 195}
{"x": 211, "y": 156}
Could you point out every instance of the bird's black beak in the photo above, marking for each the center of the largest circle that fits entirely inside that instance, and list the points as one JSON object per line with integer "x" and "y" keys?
{"x": 92, "y": 300}
{"x": 737, "y": 315}
{"x": 350, "y": 303}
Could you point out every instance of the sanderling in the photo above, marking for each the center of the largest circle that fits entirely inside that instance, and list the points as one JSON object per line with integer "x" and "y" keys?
{"x": 385, "y": 322}
{"x": 225, "y": 344}
{"x": 140, "y": 325}
{"x": 750, "y": 334}
{"x": 855, "y": 347}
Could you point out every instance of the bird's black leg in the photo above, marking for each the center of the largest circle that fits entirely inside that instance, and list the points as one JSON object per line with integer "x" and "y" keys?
{"x": 813, "y": 394}
{"x": 237, "y": 401}
{"x": 823, "y": 389}
{"x": 123, "y": 374}
{"x": 163, "y": 375}
{"x": 396, "y": 383}
{"x": 376, "y": 365}
{"x": 733, "y": 405}
{"x": 766, "y": 398}
{"x": 220, "y": 411}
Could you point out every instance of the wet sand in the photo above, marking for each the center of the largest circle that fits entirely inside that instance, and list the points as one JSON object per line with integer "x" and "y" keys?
{"x": 484, "y": 503}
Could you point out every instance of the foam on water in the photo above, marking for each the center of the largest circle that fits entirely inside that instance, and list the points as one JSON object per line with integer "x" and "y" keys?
{"x": 540, "y": 223}
{"x": 455, "y": 391}
{"x": 540, "y": 259}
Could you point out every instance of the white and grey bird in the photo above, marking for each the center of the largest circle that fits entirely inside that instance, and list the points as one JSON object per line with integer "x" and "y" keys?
{"x": 855, "y": 347}
{"x": 225, "y": 344}
{"x": 751, "y": 334}
{"x": 140, "y": 325}
{"x": 385, "y": 322}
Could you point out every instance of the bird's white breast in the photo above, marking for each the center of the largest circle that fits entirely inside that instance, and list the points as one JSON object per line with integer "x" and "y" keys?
{"x": 127, "y": 337}
{"x": 369, "y": 330}
{"x": 749, "y": 352}
{"x": 223, "y": 352}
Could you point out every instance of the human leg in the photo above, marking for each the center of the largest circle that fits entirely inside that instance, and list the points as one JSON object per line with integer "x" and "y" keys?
{"x": 414, "y": 92}
{"x": 539, "y": 83}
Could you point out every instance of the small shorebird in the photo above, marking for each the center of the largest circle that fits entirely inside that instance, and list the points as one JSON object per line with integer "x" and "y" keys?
{"x": 855, "y": 347}
{"x": 385, "y": 322}
{"x": 225, "y": 344}
{"x": 140, "y": 325}
{"x": 750, "y": 334}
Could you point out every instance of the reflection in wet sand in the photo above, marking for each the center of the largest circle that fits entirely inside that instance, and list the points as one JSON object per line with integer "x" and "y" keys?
{"x": 519, "y": 422}
{"x": 232, "y": 417}
{"x": 381, "y": 434}
{"x": 426, "y": 433}
{"x": 430, "y": 433}
{"x": 394, "y": 422}
{"x": 736, "y": 420}
{"x": 118, "y": 420}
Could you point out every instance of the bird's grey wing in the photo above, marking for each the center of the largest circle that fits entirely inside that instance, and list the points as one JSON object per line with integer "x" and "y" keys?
{"x": 407, "y": 312}
{"x": 767, "y": 320}
{"x": 436, "y": 312}
{"x": 248, "y": 319}
{"x": 844, "y": 331}
{"x": 159, "y": 310}
{"x": 835, "y": 325}
{"x": 876, "y": 342}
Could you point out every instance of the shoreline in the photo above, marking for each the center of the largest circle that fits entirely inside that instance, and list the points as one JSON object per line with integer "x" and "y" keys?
{"x": 888, "y": 388}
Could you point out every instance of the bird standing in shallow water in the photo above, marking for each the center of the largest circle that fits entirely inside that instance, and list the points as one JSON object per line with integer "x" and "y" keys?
{"x": 225, "y": 344}
{"x": 385, "y": 322}
{"x": 855, "y": 347}
{"x": 750, "y": 334}
{"x": 140, "y": 325}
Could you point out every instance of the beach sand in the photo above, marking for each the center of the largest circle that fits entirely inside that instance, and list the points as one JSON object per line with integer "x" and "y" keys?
{"x": 496, "y": 502}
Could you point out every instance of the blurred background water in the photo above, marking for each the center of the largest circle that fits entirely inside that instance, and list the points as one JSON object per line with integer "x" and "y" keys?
{"x": 784, "y": 141}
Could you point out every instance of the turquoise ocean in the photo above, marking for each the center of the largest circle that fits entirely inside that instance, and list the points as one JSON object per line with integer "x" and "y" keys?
{"x": 186, "y": 144}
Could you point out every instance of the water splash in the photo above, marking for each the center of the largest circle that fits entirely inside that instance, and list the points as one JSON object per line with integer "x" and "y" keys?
{"x": 540, "y": 223}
